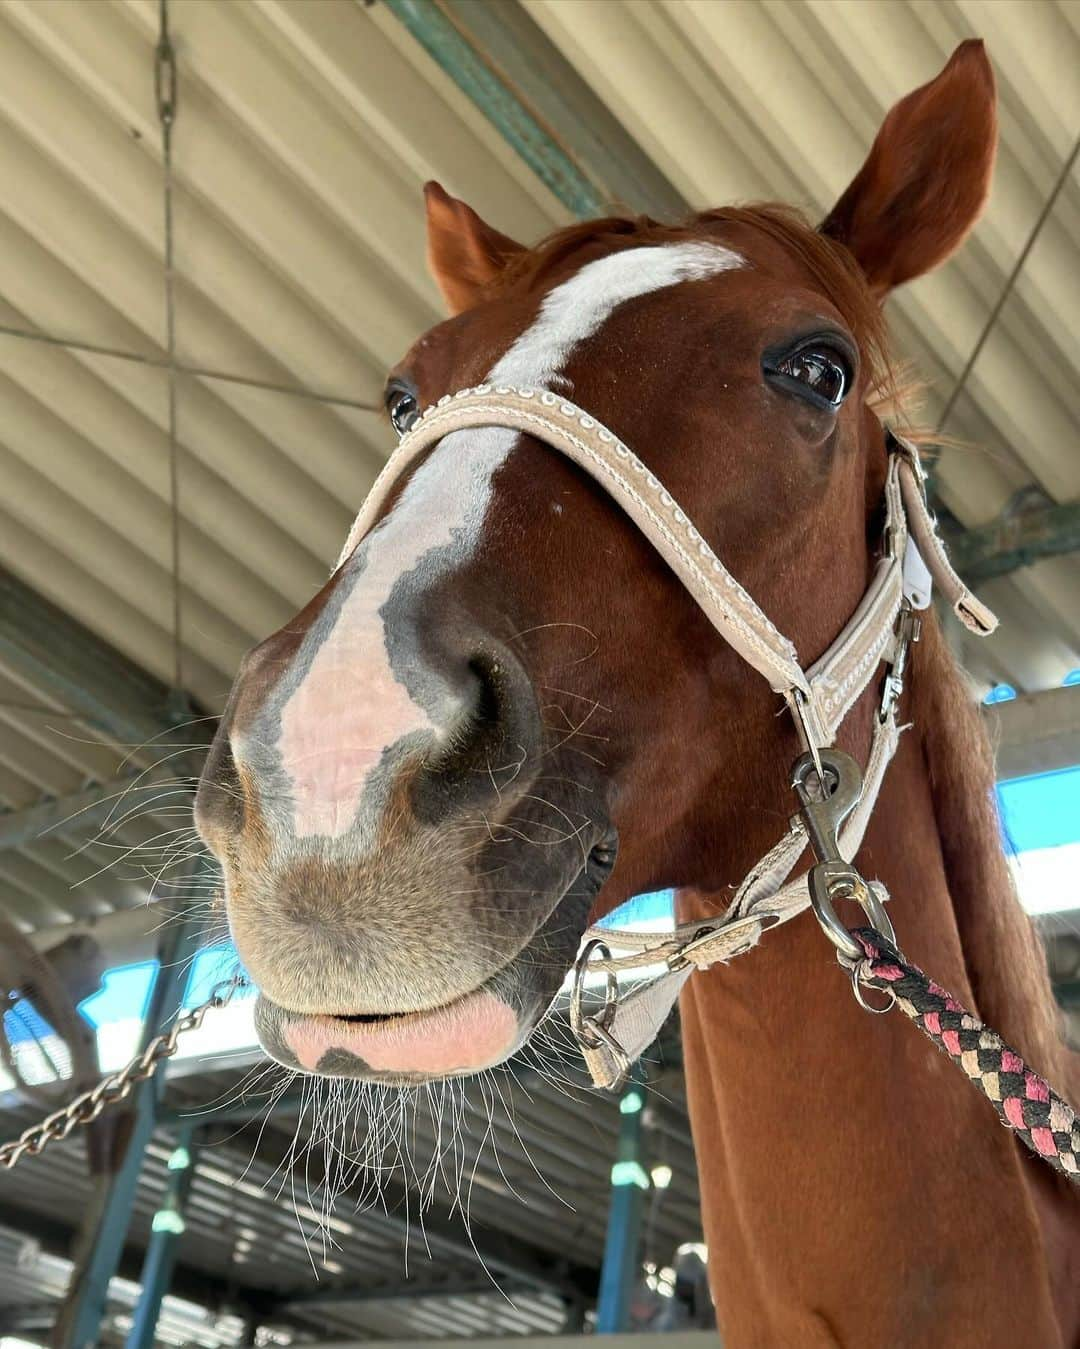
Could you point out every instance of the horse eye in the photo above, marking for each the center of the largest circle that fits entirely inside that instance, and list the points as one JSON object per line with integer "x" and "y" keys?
{"x": 403, "y": 409}
{"x": 822, "y": 371}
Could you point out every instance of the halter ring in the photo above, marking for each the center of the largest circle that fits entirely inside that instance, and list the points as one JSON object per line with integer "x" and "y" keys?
{"x": 592, "y": 1030}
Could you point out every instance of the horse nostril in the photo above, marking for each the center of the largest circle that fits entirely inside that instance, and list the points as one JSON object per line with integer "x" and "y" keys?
{"x": 486, "y": 712}
{"x": 493, "y": 748}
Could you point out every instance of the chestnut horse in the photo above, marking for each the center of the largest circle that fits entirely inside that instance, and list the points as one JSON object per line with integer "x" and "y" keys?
{"x": 502, "y": 714}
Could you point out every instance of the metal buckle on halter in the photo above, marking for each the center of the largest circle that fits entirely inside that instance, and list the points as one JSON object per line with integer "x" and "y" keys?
{"x": 908, "y": 631}
{"x": 836, "y": 795}
{"x": 755, "y": 924}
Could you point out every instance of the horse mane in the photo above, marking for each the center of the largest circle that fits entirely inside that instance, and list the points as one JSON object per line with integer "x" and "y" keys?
{"x": 1005, "y": 960}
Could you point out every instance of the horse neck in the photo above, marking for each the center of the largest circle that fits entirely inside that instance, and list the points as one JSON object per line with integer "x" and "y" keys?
{"x": 818, "y": 1126}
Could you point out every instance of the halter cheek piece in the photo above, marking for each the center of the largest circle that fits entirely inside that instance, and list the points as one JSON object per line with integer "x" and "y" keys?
{"x": 835, "y": 797}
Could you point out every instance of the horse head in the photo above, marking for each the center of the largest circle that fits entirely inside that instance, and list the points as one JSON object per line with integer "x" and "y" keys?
{"x": 501, "y": 715}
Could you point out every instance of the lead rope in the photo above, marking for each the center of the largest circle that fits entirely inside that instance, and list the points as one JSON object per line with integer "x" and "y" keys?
{"x": 1024, "y": 1101}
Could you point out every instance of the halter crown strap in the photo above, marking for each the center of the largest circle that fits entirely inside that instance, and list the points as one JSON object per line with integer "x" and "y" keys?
{"x": 974, "y": 615}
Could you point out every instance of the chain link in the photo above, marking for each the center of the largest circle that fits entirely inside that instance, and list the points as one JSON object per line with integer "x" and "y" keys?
{"x": 117, "y": 1086}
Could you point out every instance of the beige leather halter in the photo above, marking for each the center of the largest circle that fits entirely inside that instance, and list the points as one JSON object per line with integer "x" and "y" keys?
{"x": 880, "y": 629}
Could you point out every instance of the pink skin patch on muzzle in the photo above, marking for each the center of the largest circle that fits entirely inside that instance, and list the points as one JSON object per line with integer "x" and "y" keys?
{"x": 474, "y": 1032}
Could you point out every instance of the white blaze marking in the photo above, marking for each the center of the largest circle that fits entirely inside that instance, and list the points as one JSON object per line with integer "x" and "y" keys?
{"x": 350, "y": 706}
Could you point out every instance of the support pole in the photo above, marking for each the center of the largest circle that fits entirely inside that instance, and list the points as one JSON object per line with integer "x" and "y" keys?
{"x": 105, "y": 1225}
{"x": 444, "y": 42}
{"x": 629, "y": 1184}
{"x": 167, "y": 1228}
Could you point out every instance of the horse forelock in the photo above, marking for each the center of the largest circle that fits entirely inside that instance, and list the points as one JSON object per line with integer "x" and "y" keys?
{"x": 828, "y": 263}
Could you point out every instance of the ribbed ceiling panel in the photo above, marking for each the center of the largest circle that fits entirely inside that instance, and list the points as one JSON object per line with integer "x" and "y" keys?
{"x": 305, "y": 131}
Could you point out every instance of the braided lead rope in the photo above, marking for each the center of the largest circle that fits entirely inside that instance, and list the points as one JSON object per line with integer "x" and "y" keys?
{"x": 1024, "y": 1101}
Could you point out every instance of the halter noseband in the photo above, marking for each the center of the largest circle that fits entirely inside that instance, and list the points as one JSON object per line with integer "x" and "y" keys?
{"x": 881, "y": 629}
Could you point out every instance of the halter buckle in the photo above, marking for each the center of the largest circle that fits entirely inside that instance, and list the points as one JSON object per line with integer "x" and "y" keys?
{"x": 896, "y": 444}
{"x": 908, "y": 631}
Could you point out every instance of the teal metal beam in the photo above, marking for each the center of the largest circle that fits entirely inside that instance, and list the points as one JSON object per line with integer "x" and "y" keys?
{"x": 1006, "y": 544}
{"x": 544, "y": 82}
{"x": 55, "y": 1236}
{"x": 1068, "y": 994}
{"x": 105, "y": 1225}
{"x": 629, "y": 1185}
{"x": 519, "y": 125}
{"x": 165, "y": 1233}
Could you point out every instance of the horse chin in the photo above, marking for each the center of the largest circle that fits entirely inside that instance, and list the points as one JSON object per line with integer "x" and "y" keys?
{"x": 478, "y": 1030}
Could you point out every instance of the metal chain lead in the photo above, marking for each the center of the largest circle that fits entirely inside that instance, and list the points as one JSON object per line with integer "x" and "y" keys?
{"x": 116, "y": 1087}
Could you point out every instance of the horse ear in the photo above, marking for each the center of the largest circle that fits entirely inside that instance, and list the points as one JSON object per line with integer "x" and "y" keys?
{"x": 927, "y": 177}
{"x": 464, "y": 253}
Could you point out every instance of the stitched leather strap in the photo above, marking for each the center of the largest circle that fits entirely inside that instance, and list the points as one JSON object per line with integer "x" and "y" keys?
{"x": 974, "y": 615}
{"x": 565, "y": 427}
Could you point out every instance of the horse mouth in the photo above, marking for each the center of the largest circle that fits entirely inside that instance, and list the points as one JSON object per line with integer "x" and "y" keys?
{"x": 465, "y": 1035}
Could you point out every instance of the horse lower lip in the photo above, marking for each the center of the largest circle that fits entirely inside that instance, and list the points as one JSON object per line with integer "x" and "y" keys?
{"x": 464, "y": 1035}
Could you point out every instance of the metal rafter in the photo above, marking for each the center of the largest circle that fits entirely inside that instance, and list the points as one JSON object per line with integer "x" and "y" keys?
{"x": 1014, "y": 541}
{"x": 507, "y": 1255}
{"x": 56, "y": 1237}
{"x": 53, "y": 653}
{"x": 82, "y": 813}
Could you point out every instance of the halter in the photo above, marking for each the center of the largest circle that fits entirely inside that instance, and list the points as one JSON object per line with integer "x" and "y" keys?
{"x": 834, "y": 820}
{"x": 835, "y": 796}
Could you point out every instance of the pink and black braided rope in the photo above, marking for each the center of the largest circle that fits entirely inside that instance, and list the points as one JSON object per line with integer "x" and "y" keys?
{"x": 1025, "y": 1102}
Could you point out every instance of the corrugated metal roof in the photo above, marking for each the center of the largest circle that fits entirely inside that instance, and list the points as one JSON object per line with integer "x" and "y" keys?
{"x": 781, "y": 100}
{"x": 305, "y": 130}
{"x": 304, "y": 133}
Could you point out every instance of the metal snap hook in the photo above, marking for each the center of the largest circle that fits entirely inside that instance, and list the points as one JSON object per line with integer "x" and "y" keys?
{"x": 834, "y": 878}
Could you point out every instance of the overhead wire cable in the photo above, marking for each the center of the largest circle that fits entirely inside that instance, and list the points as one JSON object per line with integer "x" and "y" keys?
{"x": 1010, "y": 283}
